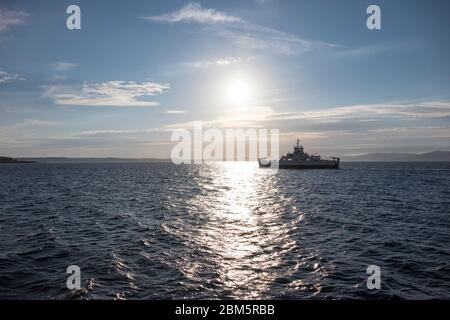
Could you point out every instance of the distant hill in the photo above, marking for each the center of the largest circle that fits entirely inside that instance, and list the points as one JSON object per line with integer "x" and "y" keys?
{"x": 429, "y": 156}
{"x": 12, "y": 160}
{"x": 91, "y": 160}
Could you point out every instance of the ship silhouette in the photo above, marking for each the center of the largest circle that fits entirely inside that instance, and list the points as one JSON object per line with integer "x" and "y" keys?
{"x": 300, "y": 159}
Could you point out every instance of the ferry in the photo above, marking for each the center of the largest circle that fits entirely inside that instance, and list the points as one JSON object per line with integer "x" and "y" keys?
{"x": 300, "y": 159}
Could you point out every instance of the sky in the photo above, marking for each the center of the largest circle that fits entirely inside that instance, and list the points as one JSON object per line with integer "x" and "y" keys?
{"x": 137, "y": 70}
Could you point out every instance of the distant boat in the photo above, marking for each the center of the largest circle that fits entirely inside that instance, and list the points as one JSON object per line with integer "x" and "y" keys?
{"x": 299, "y": 159}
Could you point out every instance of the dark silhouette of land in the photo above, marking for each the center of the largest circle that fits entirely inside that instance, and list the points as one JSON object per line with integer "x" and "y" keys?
{"x": 12, "y": 160}
{"x": 377, "y": 157}
{"x": 90, "y": 160}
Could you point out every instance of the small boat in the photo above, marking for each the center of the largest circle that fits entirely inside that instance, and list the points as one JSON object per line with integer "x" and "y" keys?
{"x": 299, "y": 159}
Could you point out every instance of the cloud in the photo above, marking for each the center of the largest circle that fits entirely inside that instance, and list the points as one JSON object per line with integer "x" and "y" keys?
{"x": 219, "y": 62}
{"x": 253, "y": 118}
{"x": 29, "y": 123}
{"x": 255, "y": 37}
{"x": 225, "y": 61}
{"x": 110, "y": 93}
{"x": 193, "y": 12}
{"x": 63, "y": 66}
{"x": 345, "y": 129}
{"x": 115, "y": 133}
{"x": 96, "y": 133}
{"x": 59, "y": 77}
{"x": 40, "y": 123}
{"x": 13, "y": 130}
{"x": 370, "y": 117}
{"x": 433, "y": 131}
{"x": 373, "y": 49}
{"x": 175, "y": 111}
{"x": 8, "y": 77}
{"x": 408, "y": 127}
{"x": 9, "y": 19}
{"x": 243, "y": 33}
{"x": 430, "y": 109}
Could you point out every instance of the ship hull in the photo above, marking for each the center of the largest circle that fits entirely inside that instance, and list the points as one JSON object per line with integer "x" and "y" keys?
{"x": 301, "y": 165}
{"x": 309, "y": 166}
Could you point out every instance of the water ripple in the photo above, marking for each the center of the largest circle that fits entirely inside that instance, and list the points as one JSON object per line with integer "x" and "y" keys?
{"x": 225, "y": 230}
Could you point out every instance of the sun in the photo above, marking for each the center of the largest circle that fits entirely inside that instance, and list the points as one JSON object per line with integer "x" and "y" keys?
{"x": 239, "y": 92}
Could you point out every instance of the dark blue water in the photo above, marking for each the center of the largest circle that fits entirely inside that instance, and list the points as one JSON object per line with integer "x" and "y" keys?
{"x": 156, "y": 230}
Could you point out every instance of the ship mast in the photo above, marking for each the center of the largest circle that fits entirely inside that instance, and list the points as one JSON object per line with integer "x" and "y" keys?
{"x": 298, "y": 147}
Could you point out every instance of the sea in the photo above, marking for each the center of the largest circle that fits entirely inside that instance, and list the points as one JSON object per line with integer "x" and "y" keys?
{"x": 225, "y": 231}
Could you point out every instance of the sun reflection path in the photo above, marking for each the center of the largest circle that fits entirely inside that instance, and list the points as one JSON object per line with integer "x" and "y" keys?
{"x": 244, "y": 227}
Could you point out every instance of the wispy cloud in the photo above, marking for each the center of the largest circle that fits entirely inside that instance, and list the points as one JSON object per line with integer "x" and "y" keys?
{"x": 219, "y": 62}
{"x": 255, "y": 37}
{"x": 175, "y": 111}
{"x": 205, "y": 64}
{"x": 322, "y": 122}
{"x": 373, "y": 49}
{"x": 243, "y": 33}
{"x": 193, "y": 12}
{"x": 15, "y": 128}
{"x": 430, "y": 109}
{"x": 59, "y": 77}
{"x": 9, "y": 77}
{"x": 101, "y": 133}
{"x": 41, "y": 123}
{"x": 9, "y": 19}
{"x": 389, "y": 125}
{"x": 224, "y": 61}
{"x": 109, "y": 93}
{"x": 333, "y": 131}
{"x": 63, "y": 66}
